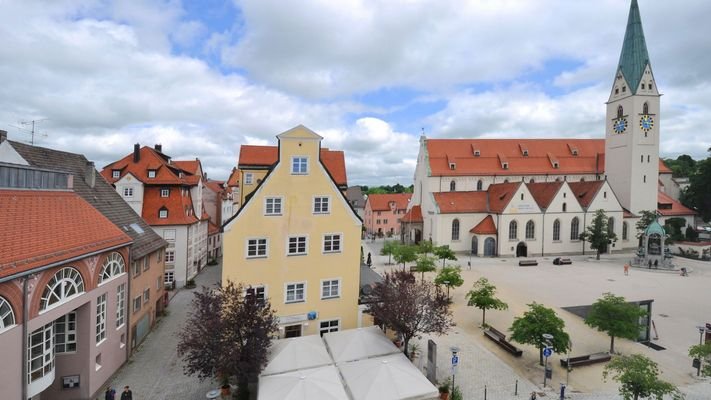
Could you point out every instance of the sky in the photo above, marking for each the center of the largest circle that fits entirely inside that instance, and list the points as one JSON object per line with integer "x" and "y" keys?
{"x": 204, "y": 77}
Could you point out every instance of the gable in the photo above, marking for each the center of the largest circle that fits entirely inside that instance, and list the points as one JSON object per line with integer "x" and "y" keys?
{"x": 522, "y": 202}
{"x": 9, "y": 155}
{"x": 605, "y": 199}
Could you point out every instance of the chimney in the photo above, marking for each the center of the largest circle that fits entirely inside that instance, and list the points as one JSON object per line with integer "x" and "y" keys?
{"x": 90, "y": 174}
{"x": 136, "y": 152}
{"x": 159, "y": 147}
{"x": 3, "y": 136}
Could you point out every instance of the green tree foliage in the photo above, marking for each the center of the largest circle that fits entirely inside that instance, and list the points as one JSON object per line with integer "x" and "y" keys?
{"x": 673, "y": 228}
{"x": 616, "y": 317}
{"x": 482, "y": 296}
{"x": 424, "y": 264}
{"x": 387, "y": 189}
{"x": 684, "y": 166}
{"x": 703, "y": 353}
{"x": 645, "y": 219}
{"x": 698, "y": 195}
{"x": 227, "y": 335}
{"x": 425, "y": 247}
{"x": 444, "y": 253}
{"x": 539, "y": 320}
{"x": 638, "y": 378}
{"x": 404, "y": 254}
{"x": 389, "y": 248}
{"x": 597, "y": 233}
{"x": 450, "y": 277}
{"x": 691, "y": 234}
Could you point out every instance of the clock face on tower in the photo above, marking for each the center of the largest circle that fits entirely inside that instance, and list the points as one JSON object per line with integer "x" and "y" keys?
{"x": 619, "y": 125}
{"x": 646, "y": 123}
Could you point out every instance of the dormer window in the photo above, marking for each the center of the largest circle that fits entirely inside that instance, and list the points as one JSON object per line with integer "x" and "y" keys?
{"x": 477, "y": 153}
{"x": 452, "y": 166}
{"x": 164, "y": 192}
{"x": 525, "y": 153}
{"x": 116, "y": 173}
{"x": 555, "y": 165}
{"x": 163, "y": 213}
{"x": 151, "y": 173}
{"x": 575, "y": 152}
{"x": 505, "y": 165}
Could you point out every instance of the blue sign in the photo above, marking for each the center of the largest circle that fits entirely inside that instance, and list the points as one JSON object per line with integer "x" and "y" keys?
{"x": 455, "y": 361}
{"x": 547, "y": 352}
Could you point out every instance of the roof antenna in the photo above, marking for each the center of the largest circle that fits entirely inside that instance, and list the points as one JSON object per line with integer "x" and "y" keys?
{"x": 31, "y": 128}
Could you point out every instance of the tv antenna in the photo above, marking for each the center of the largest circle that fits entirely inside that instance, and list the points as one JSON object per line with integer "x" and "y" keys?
{"x": 32, "y": 128}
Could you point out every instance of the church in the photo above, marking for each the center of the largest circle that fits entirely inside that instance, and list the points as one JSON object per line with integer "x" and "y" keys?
{"x": 533, "y": 197}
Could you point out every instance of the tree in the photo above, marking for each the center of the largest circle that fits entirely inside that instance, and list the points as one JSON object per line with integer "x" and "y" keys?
{"x": 444, "y": 253}
{"x": 537, "y": 321}
{"x": 389, "y": 249}
{"x": 404, "y": 254}
{"x": 409, "y": 307}
{"x": 672, "y": 227}
{"x": 616, "y": 317}
{"x": 645, "y": 219}
{"x": 227, "y": 335}
{"x": 698, "y": 194}
{"x": 482, "y": 297}
{"x": 449, "y": 276}
{"x": 702, "y": 352}
{"x": 597, "y": 233}
{"x": 691, "y": 234}
{"x": 637, "y": 376}
{"x": 683, "y": 166}
{"x": 425, "y": 247}
{"x": 425, "y": 264}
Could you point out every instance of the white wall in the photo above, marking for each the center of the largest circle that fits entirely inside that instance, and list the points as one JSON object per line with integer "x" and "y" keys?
{"x": 135, "y": 201}
{"x": 179, "y": 245}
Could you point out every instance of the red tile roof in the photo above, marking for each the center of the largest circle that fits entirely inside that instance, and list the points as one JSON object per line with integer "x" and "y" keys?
{"x": 585, "y": 191}
{"x": 381, "y": 202}
{"x": 500, "y": 194}
{"x": 233, "y": 180}
{"x": 212, "y": 229}
{"x": 414, "y": 214}
{"x": 461, "y": 202}
{"x": 192, "y": 166}
{"x": 180, "y": 208}
{"x": 485, "y": 227}
{"x": 266, "y": 156}
{"x": 671, "y": 207}
{"x": 215, "y": 186}
{"x": 167, "y": 173}
{"x": 44, "y": 227}
{"x": 544, "y": 192}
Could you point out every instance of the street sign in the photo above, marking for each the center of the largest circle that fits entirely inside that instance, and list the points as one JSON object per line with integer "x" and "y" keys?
{"x": 455, "y": 361}
{"x": 547, "y": 352}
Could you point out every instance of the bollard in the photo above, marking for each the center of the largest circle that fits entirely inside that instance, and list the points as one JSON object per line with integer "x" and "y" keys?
{"x": 516, "y": 389}
{"x": 484, "y": 392}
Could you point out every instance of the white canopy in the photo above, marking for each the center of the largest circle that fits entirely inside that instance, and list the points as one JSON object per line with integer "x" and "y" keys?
{"x": 296, "y": 353}
{"x": 321, "y": 383}
{"x": 391, "y": 377}
{"x": 358, "y": 344}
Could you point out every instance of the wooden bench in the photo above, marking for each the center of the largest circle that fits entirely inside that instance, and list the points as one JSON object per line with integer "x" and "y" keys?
{"x": 586, "y": 360}
{"x": 413, "y": 268}
{"x": 500, "y": 339}
{"x": 527, "y": 263}
{"x": 562, "y": 261}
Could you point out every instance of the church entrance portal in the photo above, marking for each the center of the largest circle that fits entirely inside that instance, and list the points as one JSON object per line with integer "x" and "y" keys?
{"x": 521, "y": 250}
{"x": 475, "y": 245}
{"x": 490, "y": 247}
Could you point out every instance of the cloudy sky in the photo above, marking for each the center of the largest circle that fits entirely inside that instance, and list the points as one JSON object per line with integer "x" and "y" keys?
{"x": 203, "y": 77}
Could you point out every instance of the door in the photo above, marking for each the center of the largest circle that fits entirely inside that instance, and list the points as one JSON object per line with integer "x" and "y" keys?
{"x": 475, "y": 245}
{"x": 521, "y": 250}
{"x": 292, "y": 331}
{"x": 490, "y": 247}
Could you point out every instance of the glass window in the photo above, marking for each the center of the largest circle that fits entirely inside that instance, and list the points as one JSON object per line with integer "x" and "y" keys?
{"x": 574, "y": 228}
{"x": 169, "y": 277}
{"x": 116, "y": 174}
{"x": 146, "y": 295}
{"x": 565, "y": 206}
{"x": 64, "y": 285}
{"x": 272, "y": 206}
{"x": 101, "y": 318}
{"x": 329, "y": 326}
{"x": 248, "y": 178}
{"x": 40, "y": 352}
{"x": 611, "y": 226}
{"x": 151, "y": 173}
{"x": 556, "y": 230}
{"x": 321, "y": 205}
{"x": 620, "y": 111}
{"x": 120, "y": 305}
{"x": 479, "y": 185}
{"x": 624, "y": 231}
{"x": 452, "y": 186}
{"x": 146, "y": 263}
{"x": 332, "y": 243}
{"x": 113, "y": 266}
{"x": 330, "y": 289}
{"x": 645, "y": 106}
{"x": 299, "y": 165}
{"x": 163, "y": 213}
{"x": 164, "y": 192}
{"x": 137, "y": 304}
{"x": 530, "y": 230}
{"x": 128, "y": 192}
{"x": 170, "y": 256}
{"x": 297, "y": 245}
{"x": 257, "y": 247}
{"x": 7, "y": 317}
{"x": 455, "y": 229}
{"x": 295, "y": 292}
{"x": 513, "y": 230}
{"x": 65, "y": 333}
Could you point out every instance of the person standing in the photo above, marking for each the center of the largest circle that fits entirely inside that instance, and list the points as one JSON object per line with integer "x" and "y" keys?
{"x": 127, "y": 394}
{"x": 110, "y": 394}
{"x": 627, "y": 268}
{"x": 533, "y": 396}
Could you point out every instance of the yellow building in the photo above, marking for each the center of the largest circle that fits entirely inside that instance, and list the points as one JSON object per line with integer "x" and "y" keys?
{"x": 296, "y": 240}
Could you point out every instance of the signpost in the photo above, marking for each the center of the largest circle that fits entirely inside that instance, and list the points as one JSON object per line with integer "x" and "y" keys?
{"x": 455, "y": 362}
{"x": 547, "y": 352}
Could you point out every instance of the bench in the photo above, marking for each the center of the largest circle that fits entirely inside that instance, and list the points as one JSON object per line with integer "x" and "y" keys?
{"x": 527, "y": 263}
{"x": 413, "y": 268}
{"x": 586, "y": 360}
{"x": 562, "y": 261}
{"x": 499, "y": 338}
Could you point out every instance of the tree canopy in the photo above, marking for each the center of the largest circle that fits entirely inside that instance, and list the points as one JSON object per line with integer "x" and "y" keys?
{"x": 387, "y": 189}
{"x": 389, "y": 248}
{"x": 534, "y": 323}
{"x": 482, "y": 296}
{"x": 598, "y": 234}
{"x": 703, "y": 353}
{"x": 638, "y": 377}
{"x": 684, "y": 166}
{"x": 409, "y": 307}
{"x": 424, "y": 264}
{"x": 698, "y": 194}
{"x": 404, "y": 254}
{"x": 227, "y": 335}
{"x": 444, "y": 253}
{"x": 450, "y": 276}
{"x": 616, "y": 317}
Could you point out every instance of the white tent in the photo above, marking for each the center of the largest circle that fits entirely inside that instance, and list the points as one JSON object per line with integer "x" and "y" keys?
{"x": 358, "y": 344}
{"x": 322, "y": 383}
{"x": 390, "y": 377}
{"x": 296, "y": 353}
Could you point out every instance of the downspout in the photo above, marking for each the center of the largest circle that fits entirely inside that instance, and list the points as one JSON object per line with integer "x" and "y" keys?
{"x": 128, "y": 301}
{"x": 585, "y": 213}
{"x": 23, "y": 356}
{"x": 498, "y": 243}
{"x": 543, "y": 234}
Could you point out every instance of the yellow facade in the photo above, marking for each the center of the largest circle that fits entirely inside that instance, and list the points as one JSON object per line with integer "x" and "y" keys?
{"x": 274, "y": 268}
{"x": 247, "y": 188}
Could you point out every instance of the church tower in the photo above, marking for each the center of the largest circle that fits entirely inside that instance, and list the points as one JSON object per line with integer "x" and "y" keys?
{"x": 632, "y": 124}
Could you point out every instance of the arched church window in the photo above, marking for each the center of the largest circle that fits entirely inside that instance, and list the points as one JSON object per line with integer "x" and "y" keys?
{"x": 113, "y": 267}
{"x": 624, "y": 231}
{"x": 452, "y": 186}
{"x": 7, "y": 317}
{"x": 530, "y": 230}
{"x": 645, "y": 108}
{"x": 479, "y": 185}
{"x": 455, "y": 229}
{"x": 65, "y": 284}
{"x": 565, "y": 206}
{"x": 513, "y": 230}
{"x": 574, "y": 228}
{"x": 620, "y": 111}
{"x": 611, "y": 226}
{"x": 556, "y": 230}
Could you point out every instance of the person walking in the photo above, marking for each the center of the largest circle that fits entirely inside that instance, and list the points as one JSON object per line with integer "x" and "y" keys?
{"x": 126, "y": 394}
{"x": 533, "y": 396}
{"x": 627, "y": 268}
{"x": 110, "y": 394}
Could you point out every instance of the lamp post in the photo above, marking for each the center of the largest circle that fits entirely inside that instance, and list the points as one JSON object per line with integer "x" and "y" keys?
{"x": 546, "y": 352}
{"x": 567, "y": 370}
{"x": 446, "y": 283}
{"x": 702, "y": 330}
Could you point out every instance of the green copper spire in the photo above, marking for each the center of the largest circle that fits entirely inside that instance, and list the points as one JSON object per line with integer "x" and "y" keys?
{"x": 634, "y": 57}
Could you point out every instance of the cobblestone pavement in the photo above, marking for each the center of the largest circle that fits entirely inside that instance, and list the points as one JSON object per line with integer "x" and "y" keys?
{"x": 155, "y": 372}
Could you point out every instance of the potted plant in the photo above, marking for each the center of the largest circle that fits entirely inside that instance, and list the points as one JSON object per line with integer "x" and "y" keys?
{"x": 414, "y": 348}
{"x": 225, "y": 388}
{"x": 444, "y": 390}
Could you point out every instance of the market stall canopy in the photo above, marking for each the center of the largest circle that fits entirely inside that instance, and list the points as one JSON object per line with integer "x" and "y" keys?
{"x": 358, "y": 344}
{"x": 296, "y": 353}
{"x": 321, "y": 383}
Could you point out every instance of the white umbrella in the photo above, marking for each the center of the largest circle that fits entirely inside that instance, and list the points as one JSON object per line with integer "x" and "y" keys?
{"x": 357, "y": 344}
{"x": 391, "y": 377}
{"x": 322, "y": 383}
{"x": 296, "y": 353}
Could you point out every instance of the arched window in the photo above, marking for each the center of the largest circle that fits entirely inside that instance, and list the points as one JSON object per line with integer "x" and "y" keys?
{"x": 7, "y": 317}
{"x": 645, "y": 108}
{"x": 565, "y": 206}
{"x": 574, "y": 228}
{"x": 513, "y": 230}
{"x": 611, "y": 226}
{"x": 624, "y": 231}
{"x": 113, "y": 267}
{"x": 582, "y": 179}
{"x": 65, "y": 284}
{"x": 530, "y": 230}
{"x": 455, "y": 229}
{"x": 506, "y": 181}
{"x": 479, "y": 185}
{"x": 452, "y": 186}
{"x": 531, "y": 180}
{"x": 556, "y": 230}
{"x": 620, "y": 112}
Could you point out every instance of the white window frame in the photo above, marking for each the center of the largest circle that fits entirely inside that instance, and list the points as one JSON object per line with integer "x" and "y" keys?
{"x": 170, "y": 255}
{"x": 329, "y": 328}
{"x": 256, "y": 240}
{"x": 64, "y": 279}
{"x": 139, "y": 303}
{"x": 113, "y": 267}
{"x": 128, "y": 191}
{"x": 116, "y": 173}
{"x": 286, "y": 292}
{"x": 169, "y": 277}
{"x": 163, "y": 213}
{"x": 146, "y": 295}
{"x": 305, "y": 165}
{"x": 7, "y": 316}
{"x": 330, "y": 294}
{"x": 151, "y": 173}
{"x": 120, "y": 305}
{"x": 297, "y": 237}
{"x": 318, "y": 204}
{"x": 277, "y": 205}
{"x": 248, "y": 178}
{"x": 165, "y": 193}
{"x": 100, "y": 319}
{"x": 69, "y": 334}
{"x": 46, "y": 352}
{"x": 332, "y": 241}
{"x": 264, "y": 294}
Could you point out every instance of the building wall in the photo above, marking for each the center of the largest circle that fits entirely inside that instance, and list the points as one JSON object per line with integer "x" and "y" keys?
{"x": 136, "y": 200}
{"x": 150, "y": 279}
{"x": 247, "y": 188}
{"x": 383, "y": 220}
{"x": 177, "y": 238}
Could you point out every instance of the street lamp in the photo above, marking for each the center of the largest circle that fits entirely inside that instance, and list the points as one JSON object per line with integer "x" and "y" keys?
{"x": 546, "y": 352}
{"x": 702, "y": 329}
{"x": 567, "y": 373}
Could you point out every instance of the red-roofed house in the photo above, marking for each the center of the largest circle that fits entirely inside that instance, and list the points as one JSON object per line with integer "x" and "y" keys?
{"x": 383, "y": 213}
{"x": 169, "y": 196}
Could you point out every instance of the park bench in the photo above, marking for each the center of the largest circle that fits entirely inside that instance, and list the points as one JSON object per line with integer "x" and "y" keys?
{"x": 413, "y": 268}
{"x": 500, "y": 339}
{"x": 562, "y": 261}
{"x": 585, "y": 360}
{"x": 527, "y": 263}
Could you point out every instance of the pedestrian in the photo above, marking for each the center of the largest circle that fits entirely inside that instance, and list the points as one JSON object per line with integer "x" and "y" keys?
{"x": 533, "y": 396}
{"x": 627, "y": 269}
{"x": 110, "y": 394}
{"x": 127, "y": 393}
{"x": 370, "y": 260}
